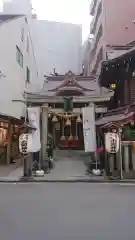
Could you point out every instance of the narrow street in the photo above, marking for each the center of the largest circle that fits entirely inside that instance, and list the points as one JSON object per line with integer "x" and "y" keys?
{"x": 67, "y": 211}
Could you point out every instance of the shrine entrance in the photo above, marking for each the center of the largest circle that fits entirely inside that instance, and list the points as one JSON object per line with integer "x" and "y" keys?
{"x": 61, "y": 99}
{"x": 67, "y": 131}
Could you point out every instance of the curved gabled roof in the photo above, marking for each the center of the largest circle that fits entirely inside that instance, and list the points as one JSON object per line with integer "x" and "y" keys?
{"x": 54, "y": 85}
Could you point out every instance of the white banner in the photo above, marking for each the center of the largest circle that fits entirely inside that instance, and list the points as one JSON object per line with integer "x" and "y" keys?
{"x": 34, "y": 120}
{"x": 89, "y": 128}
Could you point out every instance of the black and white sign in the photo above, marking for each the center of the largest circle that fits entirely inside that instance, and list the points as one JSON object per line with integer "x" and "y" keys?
{"x": 112, "y": 142}
{"x": 23, "y": 143}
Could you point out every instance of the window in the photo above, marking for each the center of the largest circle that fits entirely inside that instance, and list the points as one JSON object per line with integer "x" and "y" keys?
{"x": 19, "y": 56}
{"x": 98, "y": 61}
{"x": 96, "y": 19}
{"x": 99, "y": 35}
{"x": 28, "y": 44}
{"x": 22, "y": 34}
{"x": 27, "y": 75}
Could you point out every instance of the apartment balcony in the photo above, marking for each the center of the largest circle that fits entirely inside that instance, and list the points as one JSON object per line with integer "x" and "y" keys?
{"x": 96, "y": 63}
{"x": 95, "y": 41}
{"x": 93, "y": 7}
{"x": 95, "y": 20}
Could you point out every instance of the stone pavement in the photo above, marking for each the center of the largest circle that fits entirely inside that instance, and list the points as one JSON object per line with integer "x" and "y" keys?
{"x": 6, "y": 170}
{"x": 67, "y": 169}
{"x": 70, "y": 166}
{"x": 13, "y": 175}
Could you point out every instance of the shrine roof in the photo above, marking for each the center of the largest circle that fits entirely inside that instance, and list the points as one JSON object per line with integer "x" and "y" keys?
{"x": 53, "y": 84}
{"x": 112, "y": 69}
{"x": 130, "y": 53}
{"x": 123, "y": 115}
{"x": 114, "y": 119}
{"x": 57, "y": 85}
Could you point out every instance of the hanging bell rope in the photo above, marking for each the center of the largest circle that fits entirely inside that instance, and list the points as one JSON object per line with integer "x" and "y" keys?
{"x": 68, "y": 122}
{"x": 62, "y": 137}
{"x": 54, "y": 119}
{"x": 70, "y": 137}
{"x": 79, "y": 120}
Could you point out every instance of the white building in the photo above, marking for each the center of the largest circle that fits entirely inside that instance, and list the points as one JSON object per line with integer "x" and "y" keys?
{"x": 57, "y": 45}
{"x": 86, "y": 51}
{"x": 17, "y": 7}
{"x": 51, "y": 45}
{"x": 17, "y": 63}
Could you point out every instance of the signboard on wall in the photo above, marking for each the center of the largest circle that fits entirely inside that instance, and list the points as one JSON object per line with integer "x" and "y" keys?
{"x": 89, "y": 128}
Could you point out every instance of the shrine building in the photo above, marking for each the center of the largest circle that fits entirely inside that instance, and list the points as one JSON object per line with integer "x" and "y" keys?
{"x": 61, "y": 100}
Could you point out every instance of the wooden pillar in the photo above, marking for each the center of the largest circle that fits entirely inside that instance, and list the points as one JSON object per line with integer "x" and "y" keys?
{"x": 44, "y": 132}
{"x": 9, "y": 143}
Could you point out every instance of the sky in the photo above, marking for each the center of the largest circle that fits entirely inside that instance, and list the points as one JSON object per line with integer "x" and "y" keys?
{"x": 73, "y": 11}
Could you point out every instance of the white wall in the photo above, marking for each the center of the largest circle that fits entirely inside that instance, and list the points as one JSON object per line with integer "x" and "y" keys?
{"x": 86, "y": 50}
{"x": 12, "y": 86}
{"x": 17, "y": 7}
{"x": 57, "y": 45}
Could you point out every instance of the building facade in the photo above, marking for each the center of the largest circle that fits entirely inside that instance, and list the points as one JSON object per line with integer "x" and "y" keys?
{"x": 86, "y": 51}
{"x": 108, "y": 29}
{"x": 57, "y": 45}
{"x": 17, "y": 7}
{"x": 17, "y": 63}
